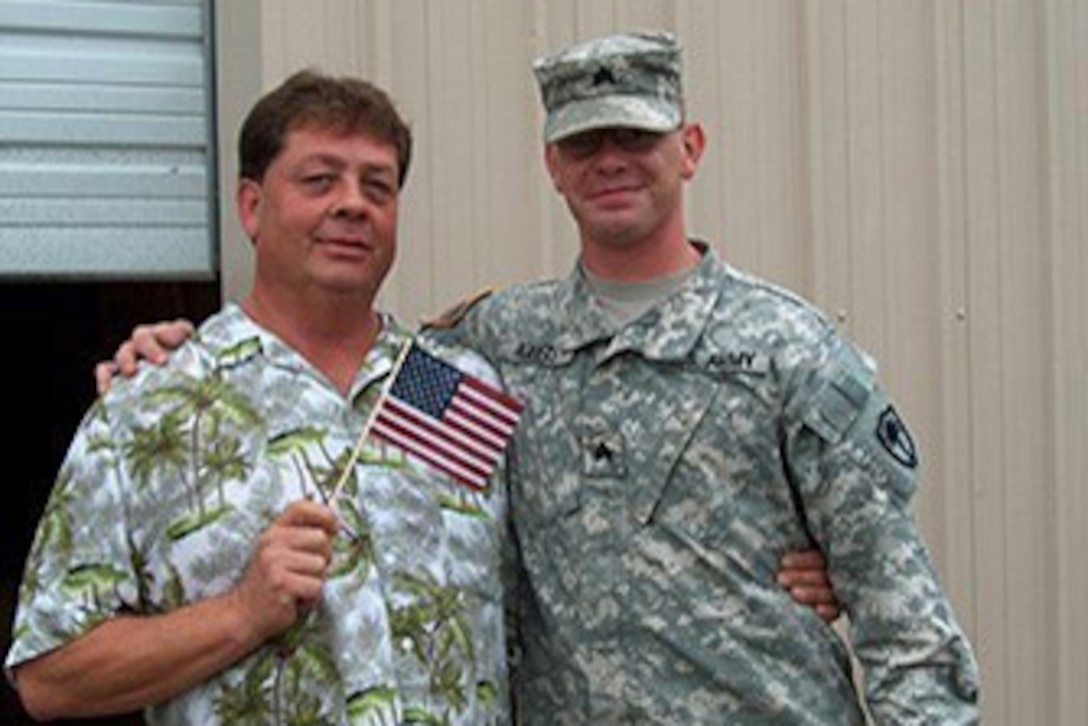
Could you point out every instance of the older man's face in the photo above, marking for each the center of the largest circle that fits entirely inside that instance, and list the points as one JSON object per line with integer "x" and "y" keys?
{"x": 324, "y": 217}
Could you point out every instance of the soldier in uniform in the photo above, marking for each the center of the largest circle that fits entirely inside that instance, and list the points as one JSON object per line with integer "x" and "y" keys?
{"x": 687, "y": 425}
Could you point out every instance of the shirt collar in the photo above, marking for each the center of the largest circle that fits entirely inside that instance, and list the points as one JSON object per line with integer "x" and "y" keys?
{"x": 233, "y": 338}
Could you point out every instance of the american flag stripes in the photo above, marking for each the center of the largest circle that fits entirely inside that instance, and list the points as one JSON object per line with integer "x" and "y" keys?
{"x": 453, "y": 421}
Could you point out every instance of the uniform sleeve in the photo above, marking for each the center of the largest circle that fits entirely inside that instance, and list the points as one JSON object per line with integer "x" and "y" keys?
{"x": 78, "y": 572}
{"x": 854, "y": 465}
{"x": 465, "y": 325}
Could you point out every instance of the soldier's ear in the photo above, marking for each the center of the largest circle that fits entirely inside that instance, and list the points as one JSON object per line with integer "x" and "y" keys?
{"x": 551, "y": 160}
{"x": 694, "y": 140}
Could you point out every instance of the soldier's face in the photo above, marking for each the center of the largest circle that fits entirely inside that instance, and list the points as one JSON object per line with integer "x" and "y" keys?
{"x": 624, "y": 186}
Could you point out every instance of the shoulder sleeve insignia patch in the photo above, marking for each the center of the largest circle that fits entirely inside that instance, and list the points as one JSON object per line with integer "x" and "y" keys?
{"x": 896, "y": 440}
{"x": 453, "y": 315}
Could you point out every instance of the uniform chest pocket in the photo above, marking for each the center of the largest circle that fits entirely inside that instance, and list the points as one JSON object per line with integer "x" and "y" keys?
{"x": 728, "y": 472}
{"x": 698, "y": 503}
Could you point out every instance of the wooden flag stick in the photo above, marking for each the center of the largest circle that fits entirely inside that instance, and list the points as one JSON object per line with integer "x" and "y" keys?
{"x": 357, "y": 451}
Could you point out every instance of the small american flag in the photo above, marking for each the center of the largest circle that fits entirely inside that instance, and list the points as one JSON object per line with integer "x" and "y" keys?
{"x": 453, "y": 421}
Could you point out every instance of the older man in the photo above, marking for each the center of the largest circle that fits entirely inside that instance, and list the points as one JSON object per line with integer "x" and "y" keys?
{"x": 212, "y": 551}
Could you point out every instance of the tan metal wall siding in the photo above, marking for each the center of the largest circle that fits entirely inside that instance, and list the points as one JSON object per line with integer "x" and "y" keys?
{"x": 917, "y": 168}
{"x": 1065, "y": 85}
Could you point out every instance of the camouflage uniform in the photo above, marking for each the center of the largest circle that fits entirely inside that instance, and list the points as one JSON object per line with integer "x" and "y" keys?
{"x": 171, "y": 478}
{"x": 660, "y": 472}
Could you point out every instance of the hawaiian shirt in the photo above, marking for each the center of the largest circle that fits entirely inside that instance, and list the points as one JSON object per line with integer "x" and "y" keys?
{"x": 661, "y": 470}
{"x": 170, "y": 479}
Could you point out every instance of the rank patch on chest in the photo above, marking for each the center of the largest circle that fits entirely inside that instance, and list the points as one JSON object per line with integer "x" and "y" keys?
{"x": 603, "y": 455}
{"x": 894, "y": 437}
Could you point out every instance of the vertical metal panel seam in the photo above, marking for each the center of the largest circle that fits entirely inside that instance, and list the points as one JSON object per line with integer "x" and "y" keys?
{"x": 428, "y": 112}
{"x": 548, "y": 259}
{"x": 889, "y": 283}
{"x": 847, "y": 192}
{"x": 211, "y": 100}
{"x": 999, "y": 486}
{"x": 1063, "y": 234}
{"x": 1049, "y": 456}
{"x": 810, "y": 118}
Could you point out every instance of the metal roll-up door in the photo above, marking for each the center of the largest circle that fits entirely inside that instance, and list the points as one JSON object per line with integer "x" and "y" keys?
{"x": 106, "y": 140}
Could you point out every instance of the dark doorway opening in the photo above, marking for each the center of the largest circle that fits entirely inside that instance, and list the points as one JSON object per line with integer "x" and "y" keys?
{"x": 53, "y": 334}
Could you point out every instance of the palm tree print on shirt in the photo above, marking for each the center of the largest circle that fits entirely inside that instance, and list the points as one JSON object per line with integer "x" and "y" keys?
{"x": 192, "y": 438}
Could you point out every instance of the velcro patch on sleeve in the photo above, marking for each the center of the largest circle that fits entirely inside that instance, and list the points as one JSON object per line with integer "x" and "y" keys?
{"x": 450, "y": 317}
{"x": 836, "y": 406}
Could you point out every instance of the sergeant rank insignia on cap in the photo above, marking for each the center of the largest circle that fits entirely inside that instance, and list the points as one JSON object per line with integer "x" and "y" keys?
{"x": 630, "y": 80}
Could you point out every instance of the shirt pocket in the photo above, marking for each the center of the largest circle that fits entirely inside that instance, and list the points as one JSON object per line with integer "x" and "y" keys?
{"x": 729, "y": 471}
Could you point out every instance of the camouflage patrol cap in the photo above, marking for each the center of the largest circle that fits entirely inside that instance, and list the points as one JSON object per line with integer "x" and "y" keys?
{"x": 630, "y": 80}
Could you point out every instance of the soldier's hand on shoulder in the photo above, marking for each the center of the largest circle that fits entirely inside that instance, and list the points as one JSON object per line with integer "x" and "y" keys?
{"x": 152, "y": 343}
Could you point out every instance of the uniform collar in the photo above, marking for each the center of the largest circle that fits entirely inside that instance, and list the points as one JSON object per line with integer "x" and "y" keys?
{"x": 667, "y": 331}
